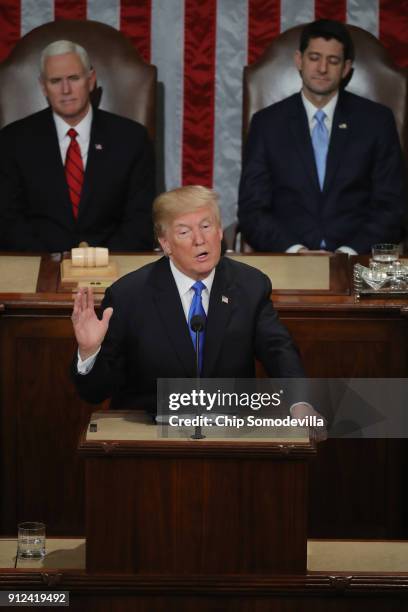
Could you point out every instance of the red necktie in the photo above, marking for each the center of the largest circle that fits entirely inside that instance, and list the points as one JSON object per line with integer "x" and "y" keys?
{"x": 74, "y": 171}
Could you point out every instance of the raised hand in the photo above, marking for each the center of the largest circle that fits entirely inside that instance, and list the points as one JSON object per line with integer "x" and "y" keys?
{"x": 89, "y": 330}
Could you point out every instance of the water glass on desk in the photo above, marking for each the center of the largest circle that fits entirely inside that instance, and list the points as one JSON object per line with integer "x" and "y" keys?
{"x": 385, "y": 253}
{"x": 31, "y": 540}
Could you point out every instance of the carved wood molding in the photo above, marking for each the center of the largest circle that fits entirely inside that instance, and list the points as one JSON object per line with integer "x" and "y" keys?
{"x": 307, "y": 585}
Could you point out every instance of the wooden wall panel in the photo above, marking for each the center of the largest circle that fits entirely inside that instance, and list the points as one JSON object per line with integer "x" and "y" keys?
{"x": 42, "y": 475}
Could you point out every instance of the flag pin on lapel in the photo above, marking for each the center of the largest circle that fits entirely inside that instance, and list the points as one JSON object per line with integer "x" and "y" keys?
{"x": 224, "y": 299}
{"x": 343, "y": 126}
{"x": 98, "y": 147}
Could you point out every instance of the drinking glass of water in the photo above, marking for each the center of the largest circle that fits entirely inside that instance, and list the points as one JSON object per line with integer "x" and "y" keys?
{"x": 385, "y": 253}
{"x": 31, "y": 541}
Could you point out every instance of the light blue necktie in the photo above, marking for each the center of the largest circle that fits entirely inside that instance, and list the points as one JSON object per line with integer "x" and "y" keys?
{"x": 197, "y": 308}
{"x": 320, "y": 141}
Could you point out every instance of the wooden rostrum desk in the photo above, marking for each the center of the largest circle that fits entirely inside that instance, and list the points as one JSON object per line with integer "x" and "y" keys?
{"x": 357, "y": 487}
{"x": 181, "y": 525}
{"x": 163, "y": 517}
{"x": 369, "y": 579}
{"x": 165, "y": 505}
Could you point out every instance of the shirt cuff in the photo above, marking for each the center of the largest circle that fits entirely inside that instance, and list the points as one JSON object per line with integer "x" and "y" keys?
{"x": 87, "y": 364}
{"x": 295, "y": 248}
{"x": 347, "y": 250}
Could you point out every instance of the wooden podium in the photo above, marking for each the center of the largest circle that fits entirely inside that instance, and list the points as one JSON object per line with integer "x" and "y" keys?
{"x": 199, "y": 507}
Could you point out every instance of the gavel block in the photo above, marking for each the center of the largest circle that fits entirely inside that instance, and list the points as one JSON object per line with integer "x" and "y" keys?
{"x": 88, "y": 264}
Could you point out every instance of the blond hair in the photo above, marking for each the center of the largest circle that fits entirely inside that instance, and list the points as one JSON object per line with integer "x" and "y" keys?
{"x": 171, "y": 204}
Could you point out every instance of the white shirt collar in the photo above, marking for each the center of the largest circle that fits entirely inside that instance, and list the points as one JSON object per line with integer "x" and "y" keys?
{"x": 83, "y": 128}
{"x": 328, "y": 109}
{"x": 184, "y": 282}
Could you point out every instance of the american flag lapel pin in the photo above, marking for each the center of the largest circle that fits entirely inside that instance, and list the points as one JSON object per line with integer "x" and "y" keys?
{"x": 98, "y": 147}
{"x": 224, "y": 299}
{"x": 343, "y": 126}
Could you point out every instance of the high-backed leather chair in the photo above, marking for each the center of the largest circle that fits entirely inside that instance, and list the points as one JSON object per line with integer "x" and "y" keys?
{"x": 374, "y": 76}
{"x": 126, "y": 85}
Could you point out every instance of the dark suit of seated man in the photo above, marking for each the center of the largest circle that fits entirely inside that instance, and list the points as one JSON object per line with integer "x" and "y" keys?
{"x": 59, "y": 187}
{"x": 326, "y": 183}
{"x": 144, "y": 333}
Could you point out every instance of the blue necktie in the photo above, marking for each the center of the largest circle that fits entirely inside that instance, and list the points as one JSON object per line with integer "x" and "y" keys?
{"x": 320, "y": 141}
{"x": 197, "y": 308}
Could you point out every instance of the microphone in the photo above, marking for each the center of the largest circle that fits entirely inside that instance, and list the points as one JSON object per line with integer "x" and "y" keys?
{"x": 197, "y": 324}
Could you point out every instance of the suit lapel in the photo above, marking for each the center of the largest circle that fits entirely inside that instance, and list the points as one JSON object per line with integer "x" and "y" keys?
{"x": 51, "y": 160}
{"x": 219, "y": 312}
{"x": 171, "y": 314}
{"x": 300, "y": 134}
{"x": 338, "y": 140}
{"x": 97, "y": 149}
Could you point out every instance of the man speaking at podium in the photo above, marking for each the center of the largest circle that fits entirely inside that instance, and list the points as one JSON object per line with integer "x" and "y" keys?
{"x": 73, "y": 173}
{"x": 144, "y": 330}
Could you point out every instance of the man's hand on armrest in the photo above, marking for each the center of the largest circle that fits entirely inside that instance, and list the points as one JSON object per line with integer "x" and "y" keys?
{"x": 296, "y": 248}
{"x": 302, "y": 250}
{"x": 347, "y": 250}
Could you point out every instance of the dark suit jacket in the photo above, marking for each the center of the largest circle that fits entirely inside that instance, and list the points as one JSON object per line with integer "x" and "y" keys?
{"x": 148, "y": 337}
{"x": 115, "y": 207}
{"x": 362, "y": 202}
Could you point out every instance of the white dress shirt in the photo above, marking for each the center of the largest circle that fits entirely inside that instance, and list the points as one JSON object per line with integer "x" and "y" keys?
{"x": 311, "y": 110}
{"x": 84, "y": 135}
{"x": 184, "y": 286}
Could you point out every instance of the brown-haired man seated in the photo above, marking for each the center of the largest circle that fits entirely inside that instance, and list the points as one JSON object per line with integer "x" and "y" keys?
{"x": 323, "y": 168}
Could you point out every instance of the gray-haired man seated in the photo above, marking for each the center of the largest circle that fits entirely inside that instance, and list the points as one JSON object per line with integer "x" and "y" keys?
{"x": 71, "y": 172}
